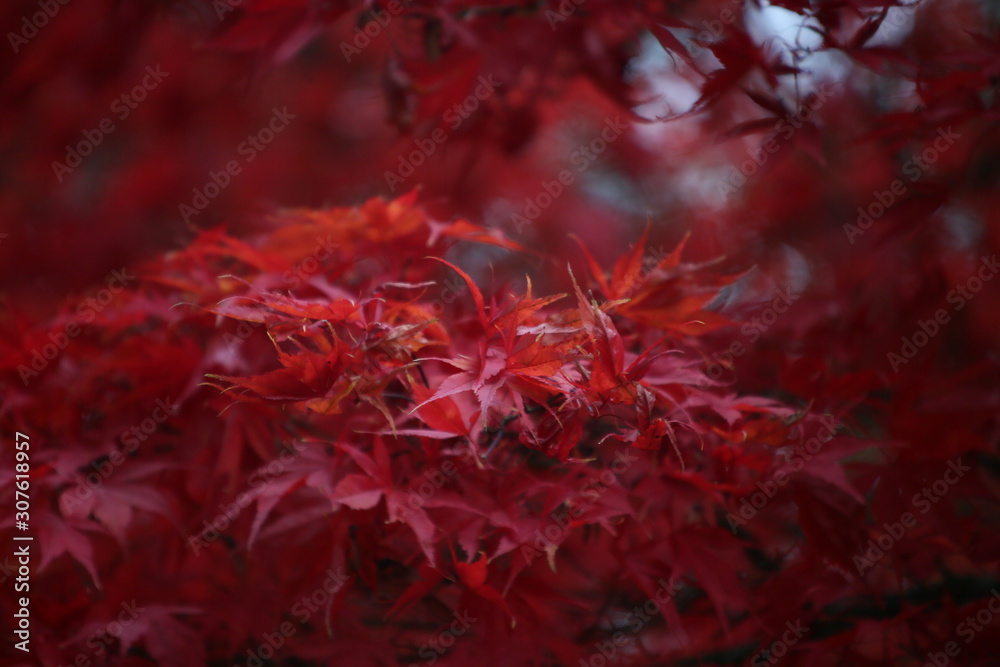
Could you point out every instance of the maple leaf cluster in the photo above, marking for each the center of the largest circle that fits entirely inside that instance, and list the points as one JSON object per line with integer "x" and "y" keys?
{"x": 545, "y": 465}
{"x": 483, "y": 450}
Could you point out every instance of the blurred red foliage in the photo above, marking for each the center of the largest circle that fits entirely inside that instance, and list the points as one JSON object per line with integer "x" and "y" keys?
{"x": 518, "y": 333}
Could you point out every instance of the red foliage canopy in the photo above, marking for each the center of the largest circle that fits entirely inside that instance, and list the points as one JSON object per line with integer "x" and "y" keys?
{"x": 657, "y": 335}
